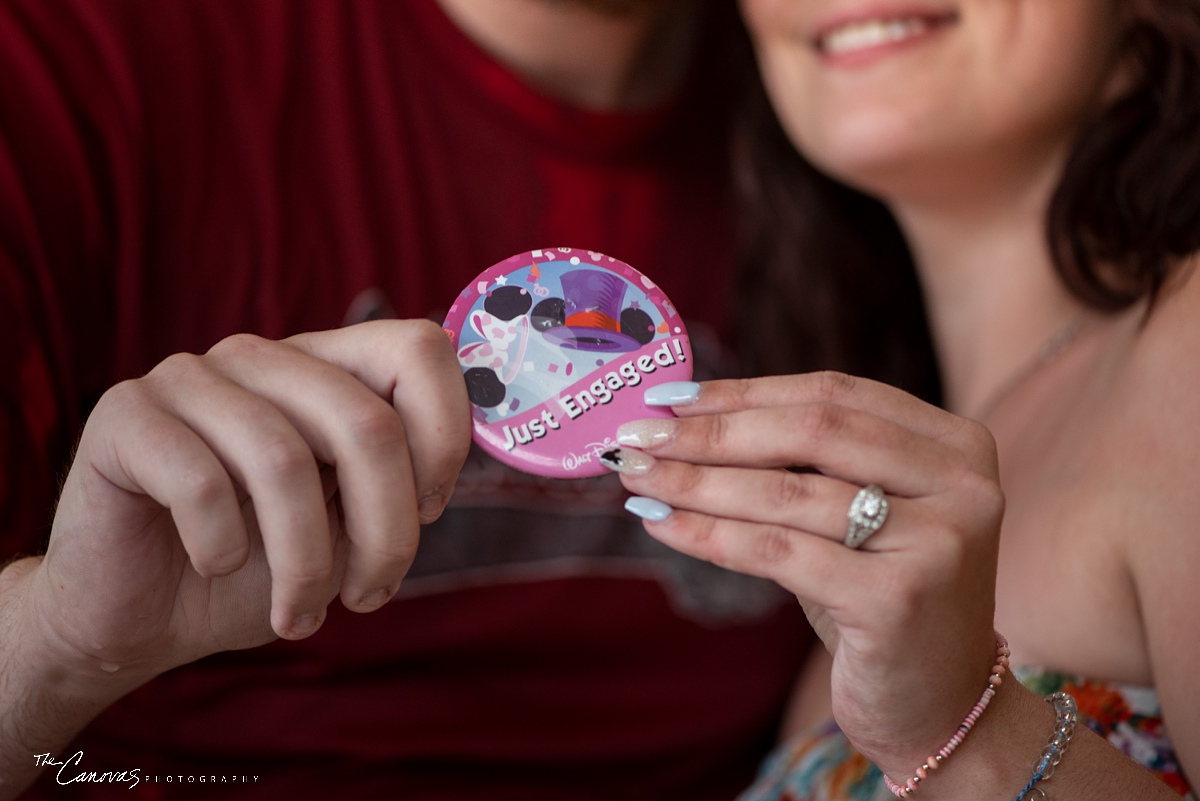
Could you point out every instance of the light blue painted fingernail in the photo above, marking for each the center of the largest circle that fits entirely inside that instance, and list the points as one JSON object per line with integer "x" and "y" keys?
{"x": 648, "y": 508}
{"x": 673, "y": 393}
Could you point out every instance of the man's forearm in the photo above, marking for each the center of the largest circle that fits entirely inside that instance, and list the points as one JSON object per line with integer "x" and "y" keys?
{"x": 43, "y": 702}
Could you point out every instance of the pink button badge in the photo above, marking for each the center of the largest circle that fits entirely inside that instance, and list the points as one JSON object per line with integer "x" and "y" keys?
{"x": 557, "y": 348}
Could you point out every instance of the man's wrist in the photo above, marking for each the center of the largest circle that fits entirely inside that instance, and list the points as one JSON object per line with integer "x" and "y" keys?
{"x": 33, "y": 653}
{"x": 47, "y": 696}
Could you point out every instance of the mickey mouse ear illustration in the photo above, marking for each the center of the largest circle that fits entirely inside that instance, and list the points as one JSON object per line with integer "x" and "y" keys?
{"x": 592, "y": 300}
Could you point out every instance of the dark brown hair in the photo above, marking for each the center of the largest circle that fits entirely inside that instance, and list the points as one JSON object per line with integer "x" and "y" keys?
{"x": 1127, "y": 209}
{"x": 829, "y": 281}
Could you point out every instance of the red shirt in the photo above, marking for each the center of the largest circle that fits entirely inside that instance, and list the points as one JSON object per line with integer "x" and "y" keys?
{"x": 174, "y": 172}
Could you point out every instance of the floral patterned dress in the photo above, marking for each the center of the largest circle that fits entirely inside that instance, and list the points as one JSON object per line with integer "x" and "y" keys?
{"x": 823, "y": 766}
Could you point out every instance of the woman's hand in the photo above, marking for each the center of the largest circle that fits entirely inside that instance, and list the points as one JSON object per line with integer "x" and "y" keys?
{"x": 760, "y": 475}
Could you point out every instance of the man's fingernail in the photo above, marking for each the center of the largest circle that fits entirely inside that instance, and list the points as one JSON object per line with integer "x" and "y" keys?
{"x": 373, "y": 599}
{"x": 304, "y": 625}
{"x": 647, "y": 433}
{"x": 648, "y": 508}
{"x": 628, "y": 461}
{"x": 431, "y": 506}
{"x": 673, "y": 393}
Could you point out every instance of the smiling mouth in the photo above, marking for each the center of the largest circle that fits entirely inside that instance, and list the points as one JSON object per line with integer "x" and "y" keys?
{"x": 867, "y": 34}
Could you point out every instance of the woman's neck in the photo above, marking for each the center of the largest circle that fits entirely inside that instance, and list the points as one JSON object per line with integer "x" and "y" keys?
{"x": 993, "y": 296}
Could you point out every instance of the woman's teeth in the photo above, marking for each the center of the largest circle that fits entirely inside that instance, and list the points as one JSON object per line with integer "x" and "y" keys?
{"x": 870, "y": 33}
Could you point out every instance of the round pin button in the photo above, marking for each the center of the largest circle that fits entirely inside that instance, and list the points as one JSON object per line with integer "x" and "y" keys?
{"x": 557, "y": 348}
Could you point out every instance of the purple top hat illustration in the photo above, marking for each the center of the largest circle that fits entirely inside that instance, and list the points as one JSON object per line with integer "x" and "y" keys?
{"x": 592, "y": 301}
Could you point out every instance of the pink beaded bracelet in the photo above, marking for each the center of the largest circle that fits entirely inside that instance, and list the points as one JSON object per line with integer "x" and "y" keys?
{"x": 907, "y": 789}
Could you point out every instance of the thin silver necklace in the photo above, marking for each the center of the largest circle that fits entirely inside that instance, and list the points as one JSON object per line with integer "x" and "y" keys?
{"x": 1052, "y": 347}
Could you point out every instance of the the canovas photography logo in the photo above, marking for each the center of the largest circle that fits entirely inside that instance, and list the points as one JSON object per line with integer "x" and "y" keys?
{"x": 72, "y": 771}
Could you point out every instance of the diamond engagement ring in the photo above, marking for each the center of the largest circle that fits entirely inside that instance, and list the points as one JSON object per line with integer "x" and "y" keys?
{"x": 868, "y": 511}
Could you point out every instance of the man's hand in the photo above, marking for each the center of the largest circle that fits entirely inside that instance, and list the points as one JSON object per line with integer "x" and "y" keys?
{"x": 224, "y": 499}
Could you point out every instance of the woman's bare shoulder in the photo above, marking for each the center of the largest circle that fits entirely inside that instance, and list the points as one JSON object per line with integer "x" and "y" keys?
{"x": 1160, "y": 488}
{"x": 1156, "y": 408}
{"x": 1163, "y": 367}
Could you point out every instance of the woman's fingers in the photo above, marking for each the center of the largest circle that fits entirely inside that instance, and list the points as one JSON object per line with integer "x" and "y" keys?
{"x": 728, "y": 458}
{"x": 827, "y": 386}
{"x": 862, "y": 394}
{"x": 855, "y": 446}
{"x": 813, "y": 568}
{"x": 805, "y": 501}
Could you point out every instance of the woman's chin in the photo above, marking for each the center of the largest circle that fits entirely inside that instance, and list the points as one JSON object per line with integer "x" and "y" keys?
{"x": 882, "y": 157}
{"x": 890, "y": 174}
